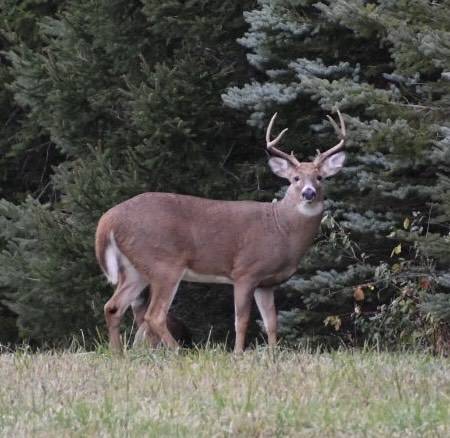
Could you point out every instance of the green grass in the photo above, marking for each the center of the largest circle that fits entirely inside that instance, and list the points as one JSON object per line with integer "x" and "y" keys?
{"x": 212, "y": 393}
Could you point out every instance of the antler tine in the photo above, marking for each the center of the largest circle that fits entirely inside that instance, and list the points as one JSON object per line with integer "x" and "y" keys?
{"x": 273, "y": 142}
{"x": 270, "y": 144}
{"x": 341, "y": 132}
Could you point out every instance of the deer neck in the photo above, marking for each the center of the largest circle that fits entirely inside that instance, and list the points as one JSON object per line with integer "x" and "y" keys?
{"x": 298, "y": 218}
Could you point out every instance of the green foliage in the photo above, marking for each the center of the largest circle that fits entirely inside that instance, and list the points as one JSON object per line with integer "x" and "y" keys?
{"x": 106, "y": 99}
{"x": 128, "y": 94}
{"x": 391, "y": 81}
{"x": 26, "y": 155}
{"x": 35, "y": 263}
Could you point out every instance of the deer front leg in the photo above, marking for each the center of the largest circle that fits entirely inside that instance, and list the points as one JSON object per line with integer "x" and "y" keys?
{"x": 242, "y": 305}
{"x": 265, "y": 301}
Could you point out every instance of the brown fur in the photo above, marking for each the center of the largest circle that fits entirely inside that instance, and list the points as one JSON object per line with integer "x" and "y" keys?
{"x": 159, "y": 234}
{"x": 253, "y": 245}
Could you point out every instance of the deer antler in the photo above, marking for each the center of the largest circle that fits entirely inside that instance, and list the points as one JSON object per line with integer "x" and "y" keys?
{"x": 271, "y": 144}
{"x": 341, "y": 133}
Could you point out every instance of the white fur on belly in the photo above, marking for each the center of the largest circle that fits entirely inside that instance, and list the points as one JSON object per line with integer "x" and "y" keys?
{"x": 204, "y": 278}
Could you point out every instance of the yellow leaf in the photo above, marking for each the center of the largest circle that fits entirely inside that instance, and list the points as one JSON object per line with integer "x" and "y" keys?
{"x": 397, "y": 250}
{"x": 406, "y": 223}
{"x": 335, "y": 322}
{"x": 396, "y": 268}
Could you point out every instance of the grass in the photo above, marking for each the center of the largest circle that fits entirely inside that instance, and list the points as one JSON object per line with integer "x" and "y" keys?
{"x": 212, "y": 393}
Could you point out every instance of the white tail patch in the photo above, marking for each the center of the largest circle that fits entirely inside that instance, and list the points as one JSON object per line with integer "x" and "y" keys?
{"x": 112, "y": 259}
{"x": 116, "y": 261}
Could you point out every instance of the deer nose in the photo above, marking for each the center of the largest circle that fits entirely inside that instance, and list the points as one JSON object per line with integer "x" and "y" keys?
{"x": 309, "y": 193}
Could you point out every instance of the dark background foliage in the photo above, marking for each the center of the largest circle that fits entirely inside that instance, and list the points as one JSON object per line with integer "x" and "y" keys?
{"x": 102, "y": 100}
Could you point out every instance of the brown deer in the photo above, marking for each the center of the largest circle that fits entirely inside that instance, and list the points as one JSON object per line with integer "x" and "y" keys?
{"x": 160, "y": 239}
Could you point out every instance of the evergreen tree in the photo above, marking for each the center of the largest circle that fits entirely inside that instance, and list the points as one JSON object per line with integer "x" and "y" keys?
{"x": 124, "y": 97}
{"x": 26, "y": 154}
{"x": 391, "y": 80}
{"x": 129, "y": 94}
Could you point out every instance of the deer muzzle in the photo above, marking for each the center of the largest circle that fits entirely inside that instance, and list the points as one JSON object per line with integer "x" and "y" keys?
{"x": 309, "y": 194}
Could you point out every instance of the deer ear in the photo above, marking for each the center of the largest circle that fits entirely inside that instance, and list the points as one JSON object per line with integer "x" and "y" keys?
{"x": 280, "y": 167}
{"x": 332, "y": 164}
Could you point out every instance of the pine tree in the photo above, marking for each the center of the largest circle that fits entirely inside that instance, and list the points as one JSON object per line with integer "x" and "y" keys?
{"x": 391, "y": 82}
{"x": 129, "y": 93}
{"x": 26, "y": 154}
{"x": 122, "y": 97}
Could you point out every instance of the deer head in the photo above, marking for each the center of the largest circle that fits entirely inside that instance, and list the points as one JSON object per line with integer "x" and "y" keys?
{"x": 306, "y": 178}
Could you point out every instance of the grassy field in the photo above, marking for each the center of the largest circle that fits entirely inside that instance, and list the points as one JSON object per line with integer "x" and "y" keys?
{"x": 209, "y": 393}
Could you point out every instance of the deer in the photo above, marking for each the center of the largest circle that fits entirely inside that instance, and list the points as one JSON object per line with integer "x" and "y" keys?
{"x": 160, "y": 239}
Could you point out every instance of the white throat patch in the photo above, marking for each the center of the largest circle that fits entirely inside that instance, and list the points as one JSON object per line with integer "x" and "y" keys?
{"x": 310, "y": 209}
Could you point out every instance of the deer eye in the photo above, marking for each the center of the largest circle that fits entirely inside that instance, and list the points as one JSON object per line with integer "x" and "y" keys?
{"x": 296, "y": 178}
{"x": 319, "y": 177}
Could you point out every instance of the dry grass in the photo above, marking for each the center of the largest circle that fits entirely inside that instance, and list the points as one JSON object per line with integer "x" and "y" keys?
{"x": 210, "y": 392}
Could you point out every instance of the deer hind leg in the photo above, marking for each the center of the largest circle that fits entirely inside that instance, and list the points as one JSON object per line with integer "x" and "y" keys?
{"x": 129, "y": 286}
{"x": 139, "y": 307}
{"x": 265, "y": 301}
{"x": 163, "y": 292}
